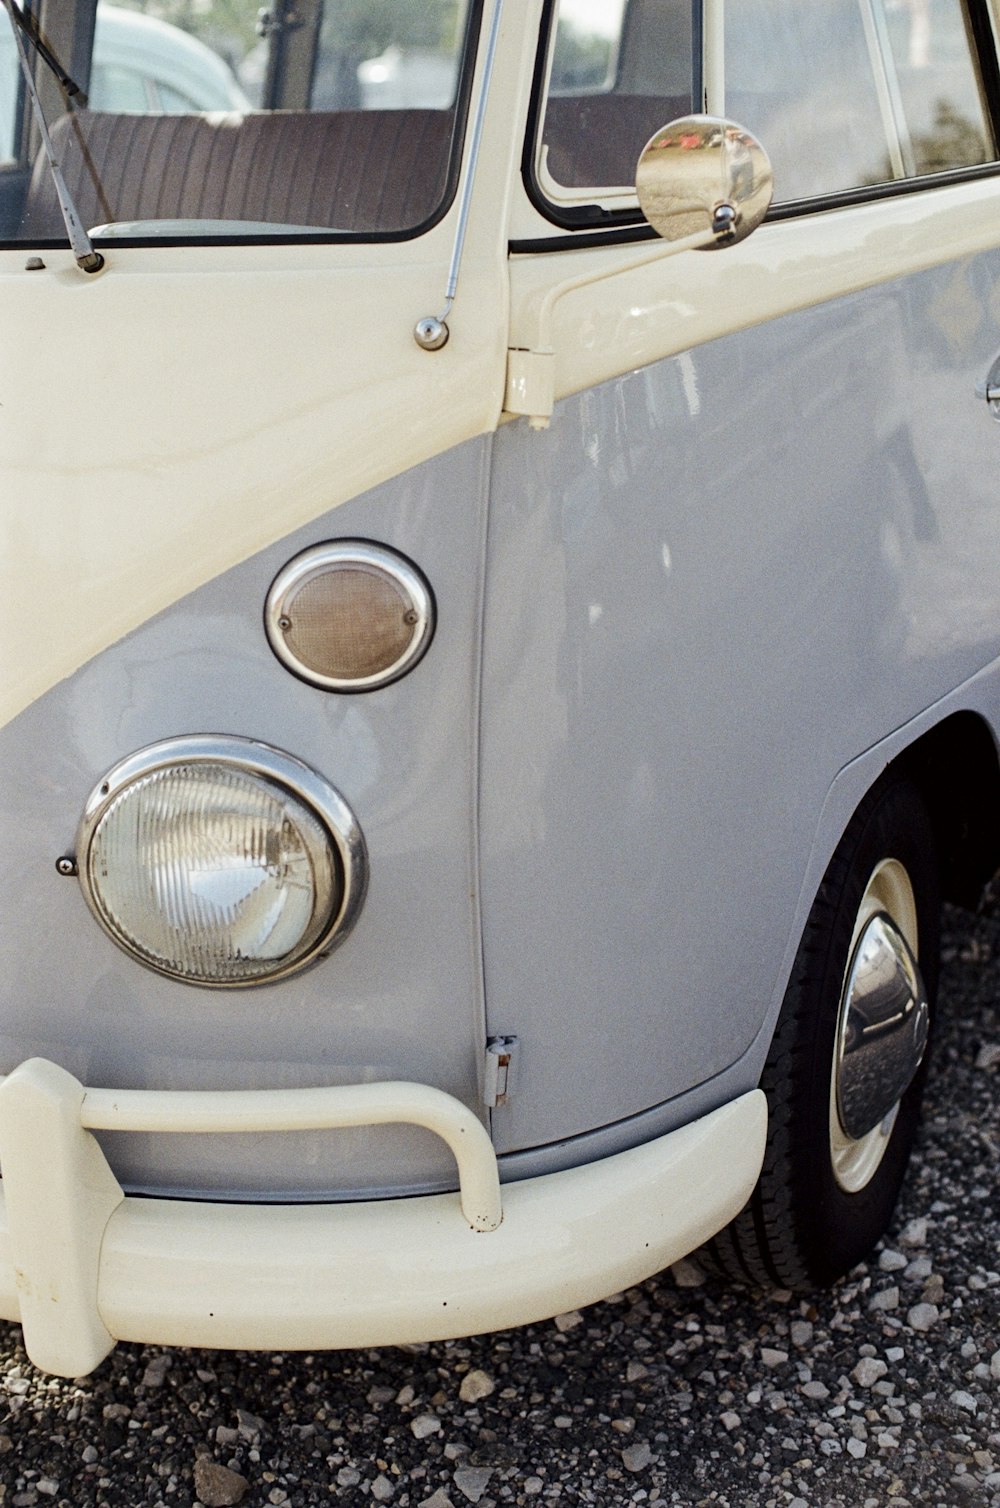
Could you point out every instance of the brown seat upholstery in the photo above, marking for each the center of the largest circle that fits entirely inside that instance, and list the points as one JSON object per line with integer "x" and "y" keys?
{"x": 363, "y": 170}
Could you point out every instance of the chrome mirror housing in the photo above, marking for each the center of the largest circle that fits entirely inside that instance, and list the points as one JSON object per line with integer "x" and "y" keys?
{"x": 701, "y": 175}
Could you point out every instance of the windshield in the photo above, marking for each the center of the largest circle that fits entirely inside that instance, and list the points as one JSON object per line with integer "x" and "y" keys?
{"x": 225, "y": 120}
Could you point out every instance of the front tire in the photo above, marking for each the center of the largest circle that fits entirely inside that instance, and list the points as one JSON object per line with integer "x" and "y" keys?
{"x": 826, "y": 1193}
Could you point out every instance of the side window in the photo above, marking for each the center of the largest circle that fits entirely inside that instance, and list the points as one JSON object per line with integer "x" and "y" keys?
{"x": 618, "y": 72}
{"x": 847, "y": 94}
{"x": 943, "y": 121}
{"x": 844, "y": 94}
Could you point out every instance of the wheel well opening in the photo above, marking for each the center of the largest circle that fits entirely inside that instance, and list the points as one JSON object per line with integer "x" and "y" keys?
{"x": 956, "y": 768}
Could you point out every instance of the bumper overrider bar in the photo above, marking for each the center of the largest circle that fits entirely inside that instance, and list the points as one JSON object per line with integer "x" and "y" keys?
{"x": 82, "y": 1265}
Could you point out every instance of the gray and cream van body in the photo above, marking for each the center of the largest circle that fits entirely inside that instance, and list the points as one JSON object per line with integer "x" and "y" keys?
{"x": 501, "y": 652}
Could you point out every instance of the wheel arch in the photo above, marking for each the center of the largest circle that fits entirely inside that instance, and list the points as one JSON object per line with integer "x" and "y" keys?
{"x": 957, "y": 771}
{"x": 953, "y": 763}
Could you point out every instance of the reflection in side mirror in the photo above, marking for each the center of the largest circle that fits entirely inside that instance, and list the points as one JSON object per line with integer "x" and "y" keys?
{"x": 701, "y": 175}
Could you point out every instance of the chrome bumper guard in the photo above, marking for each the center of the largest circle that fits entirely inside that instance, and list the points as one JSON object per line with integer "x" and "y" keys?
{"x": 83, "y": 1266}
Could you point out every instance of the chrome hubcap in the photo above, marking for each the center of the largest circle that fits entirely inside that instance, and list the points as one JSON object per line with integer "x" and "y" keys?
{"x": 882, "y": 1027}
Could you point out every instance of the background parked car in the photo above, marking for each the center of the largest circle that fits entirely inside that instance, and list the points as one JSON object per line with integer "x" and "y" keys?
{"x": 141, "y": 65}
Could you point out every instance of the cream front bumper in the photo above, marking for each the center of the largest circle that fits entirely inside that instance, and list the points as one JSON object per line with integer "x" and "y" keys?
{"x": 83, "y": 1266}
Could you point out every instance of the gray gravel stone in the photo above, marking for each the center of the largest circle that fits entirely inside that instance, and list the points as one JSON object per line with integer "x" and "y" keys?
{"x": 476, "y": 1386}
{"x": 425, "y": 1425}
{"x": 868, "y": 1371}
{"x": 472, "y": 1481}
{"x": 217, "y": 1486}
{"x": 923, "y": 1317}
{"x": 914, "y": 1233}
{"x": 439, "y": 1499}
{"x": 156, "y": 1371}
{"x": 687, "y": 1274}
{"x": 249, "y": 1425}
{"x": 637, "y": 1457}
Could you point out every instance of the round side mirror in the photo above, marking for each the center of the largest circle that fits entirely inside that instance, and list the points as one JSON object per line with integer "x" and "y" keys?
{"x": 702, "y": 175}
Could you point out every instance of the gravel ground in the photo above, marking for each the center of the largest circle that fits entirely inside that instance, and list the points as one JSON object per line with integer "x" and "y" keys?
{"x": 885, "y": 1391}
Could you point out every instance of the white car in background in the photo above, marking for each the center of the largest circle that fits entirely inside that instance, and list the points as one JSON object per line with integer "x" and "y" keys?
{"x": 140, "y": 65}
{"x": 148, "y": 66}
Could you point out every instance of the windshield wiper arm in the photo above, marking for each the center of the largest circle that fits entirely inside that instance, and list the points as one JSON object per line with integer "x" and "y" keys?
{"x": 29, "y": 26}
{"x": 87, "y": 259}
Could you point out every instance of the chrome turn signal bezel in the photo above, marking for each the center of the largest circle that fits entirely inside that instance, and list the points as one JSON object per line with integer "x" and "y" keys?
{"x": 272, "y": 766}
{"x": 351, "y": 555}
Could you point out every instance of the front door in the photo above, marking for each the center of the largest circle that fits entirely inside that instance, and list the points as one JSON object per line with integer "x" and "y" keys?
{"x": 757, "y": 534}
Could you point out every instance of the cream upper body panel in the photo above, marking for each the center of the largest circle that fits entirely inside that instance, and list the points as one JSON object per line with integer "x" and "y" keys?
{"x": 187, "y": 406}
{"x": 596, "y": 313}
{"x": 215, "y": 401}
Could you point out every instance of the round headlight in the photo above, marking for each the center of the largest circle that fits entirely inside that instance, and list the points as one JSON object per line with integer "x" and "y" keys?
{"x": 220, "y": 861}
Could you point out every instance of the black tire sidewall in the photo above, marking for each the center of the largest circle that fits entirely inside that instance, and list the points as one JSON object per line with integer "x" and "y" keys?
{"x": 833, "y": 1229}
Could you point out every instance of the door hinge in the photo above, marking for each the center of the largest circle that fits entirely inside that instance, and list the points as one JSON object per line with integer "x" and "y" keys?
{"x": 499, "y": 1070}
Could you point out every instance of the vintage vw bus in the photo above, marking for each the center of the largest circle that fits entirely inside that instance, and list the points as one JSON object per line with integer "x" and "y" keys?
{"x": 492, "y": 695}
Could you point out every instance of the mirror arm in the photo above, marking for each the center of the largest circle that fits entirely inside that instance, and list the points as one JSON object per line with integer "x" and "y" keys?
{"x": 680, "y": 173}
{"x": 531, "y": 368}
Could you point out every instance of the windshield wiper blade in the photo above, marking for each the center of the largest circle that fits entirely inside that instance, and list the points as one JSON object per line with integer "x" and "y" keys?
{"x": 87, "y": 259}
{"x": 29, "y": 26}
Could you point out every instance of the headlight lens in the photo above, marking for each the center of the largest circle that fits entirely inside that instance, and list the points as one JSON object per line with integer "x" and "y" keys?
{"x": 220, "y": 861}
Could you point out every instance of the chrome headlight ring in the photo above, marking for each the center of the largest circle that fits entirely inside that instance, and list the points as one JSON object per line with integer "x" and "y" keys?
{"x": 220, "y": 861}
